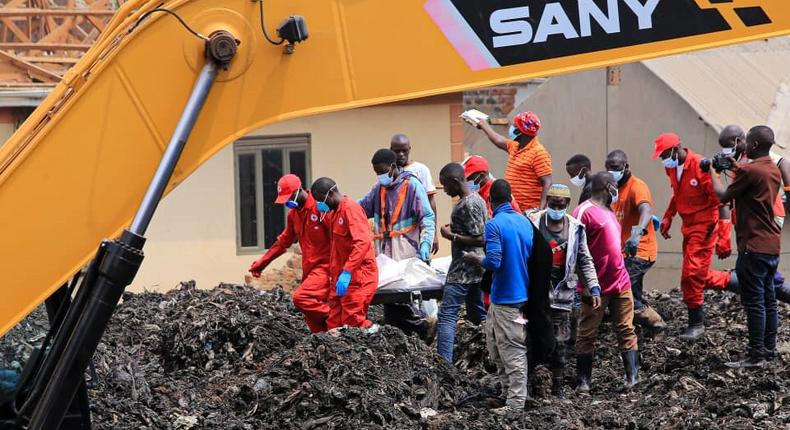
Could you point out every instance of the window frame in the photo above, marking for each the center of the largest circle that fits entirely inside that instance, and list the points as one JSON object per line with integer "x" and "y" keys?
{"x": 288, "y": 143}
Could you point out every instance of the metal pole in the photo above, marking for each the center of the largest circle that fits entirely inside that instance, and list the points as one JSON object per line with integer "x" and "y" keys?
{"x": 173, "y": 152}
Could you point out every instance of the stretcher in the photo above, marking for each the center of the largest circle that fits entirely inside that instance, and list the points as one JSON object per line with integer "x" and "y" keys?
{"x": 410, "y": 281}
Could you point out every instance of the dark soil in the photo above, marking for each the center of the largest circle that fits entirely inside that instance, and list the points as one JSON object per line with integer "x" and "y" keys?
{"x": 236, "y": 357}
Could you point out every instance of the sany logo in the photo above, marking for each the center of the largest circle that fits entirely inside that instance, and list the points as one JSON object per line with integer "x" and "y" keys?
{"x": 494, "y": 33}
{"x": 514, "y": 29}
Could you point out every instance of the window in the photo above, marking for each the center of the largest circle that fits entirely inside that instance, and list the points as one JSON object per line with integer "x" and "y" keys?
{"x": 259, "y": 163}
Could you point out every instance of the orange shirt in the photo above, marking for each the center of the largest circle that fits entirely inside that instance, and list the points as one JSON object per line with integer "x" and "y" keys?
{"x": 524, "y": 167}
{"x": 632, "y": 194}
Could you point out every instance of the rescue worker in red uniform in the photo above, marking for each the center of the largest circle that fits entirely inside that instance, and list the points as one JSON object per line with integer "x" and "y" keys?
{"x": 693, "y": 198}
{"x": 352, "y": 263}
{"x": 305, "y": 225}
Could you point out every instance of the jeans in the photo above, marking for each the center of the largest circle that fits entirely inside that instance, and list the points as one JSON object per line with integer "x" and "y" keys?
{"x": 756, "y": 279}
{"x": 637, "y": 268}
{"x": 454, "y": 295}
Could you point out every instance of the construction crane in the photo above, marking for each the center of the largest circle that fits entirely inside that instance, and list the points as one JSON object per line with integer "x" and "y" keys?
{"x": 169, "y": 83}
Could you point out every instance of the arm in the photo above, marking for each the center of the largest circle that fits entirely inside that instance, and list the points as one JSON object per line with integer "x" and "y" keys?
{"x": 427, "y": 216}
{"x": 283, "y": 242}
{"x": 545, "y": 183}
{"x": 359, "y": 233}
{"x": 435, "y": 247}
{"x": 478, "y": 214}
{"x": 585, "y": 267}
{"x": 368, "y": 202}
{"x": 645, "y": 217}
{"x": 497, "y": 139}
{"x": 493, "y": 242}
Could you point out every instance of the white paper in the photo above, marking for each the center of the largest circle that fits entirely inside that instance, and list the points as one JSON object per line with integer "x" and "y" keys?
{"x": 474, "y": 116}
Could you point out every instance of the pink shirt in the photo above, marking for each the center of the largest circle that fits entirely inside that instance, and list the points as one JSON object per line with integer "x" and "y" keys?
{"x": 603, "y": 238}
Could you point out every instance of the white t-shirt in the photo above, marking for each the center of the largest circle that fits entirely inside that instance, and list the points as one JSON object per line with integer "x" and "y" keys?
{"x": 423, "y": 173}
{"x": 679, "y": 171}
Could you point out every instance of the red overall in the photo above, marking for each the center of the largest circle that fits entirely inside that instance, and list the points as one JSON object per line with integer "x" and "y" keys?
{"x": 693, "y": 198}
{"x": 312, "y": 296}
{"x": 352, "y": 251}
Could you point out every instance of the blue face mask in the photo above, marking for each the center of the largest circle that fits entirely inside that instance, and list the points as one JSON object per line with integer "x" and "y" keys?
{"x": 671, "y": 163}
{"x": 473, "y": 186}
{"x": 293, "y": 204}
{"x": 385, "y": 180}
{"x": 513, "y": 132}
{"x": 556, "y": 214}
{"x": 618, "y": 175}
{"x": 322, "y": 206}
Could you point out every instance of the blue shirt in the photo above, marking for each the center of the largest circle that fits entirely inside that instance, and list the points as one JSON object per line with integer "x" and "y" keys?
{"x": 508, "y": 238}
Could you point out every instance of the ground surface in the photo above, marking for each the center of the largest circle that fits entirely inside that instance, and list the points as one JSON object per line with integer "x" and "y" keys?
{"x": 237, "y": 357}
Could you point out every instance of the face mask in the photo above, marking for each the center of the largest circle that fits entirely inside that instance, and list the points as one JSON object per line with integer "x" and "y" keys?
{"x": 728, "y": 151}
{"x": 473, "y": 186}
{"x": 513, "y": 132}
{"x": 615, "y": 194}
{"x": 293, "y": 204}
{"x": 322, "y": 206}
{"x": 671, "y": 162}
{"x": 556, "y": 214}
{"x": 579, "y": 181}
{"x": 385, "y": 179}
{"x": 617, "y": 175}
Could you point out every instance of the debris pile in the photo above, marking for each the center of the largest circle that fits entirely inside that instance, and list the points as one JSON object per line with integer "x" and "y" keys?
{"x": 286, "y": 277}
{"x": 239, "y": 358}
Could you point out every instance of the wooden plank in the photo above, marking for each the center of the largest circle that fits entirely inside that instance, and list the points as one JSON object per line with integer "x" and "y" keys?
{"x": 14, "y": 12}
{"x": 35, "y": 71}
{"x": 50, "y": 59}
{"x": 45, "y": 46}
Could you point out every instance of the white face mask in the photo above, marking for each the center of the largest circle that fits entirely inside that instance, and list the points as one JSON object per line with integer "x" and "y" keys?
{"x": 617, "y": 175}
{"x": 728, "y": 151}
{"x": 579, "y": 181}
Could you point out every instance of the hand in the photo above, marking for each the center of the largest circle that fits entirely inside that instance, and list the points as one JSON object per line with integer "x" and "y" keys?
{"x": 596, "y": 302}
{"x": 632, "y": 244}
{"x": 342, "y": 283}
{"x": 666, "y": 224}
{"x": 473, "y": 258}
{"x": 446, "y": 232}
{"x": 257, "y": 267}
{"x": 425, "y": 252}
{"x": 435, "y": 247}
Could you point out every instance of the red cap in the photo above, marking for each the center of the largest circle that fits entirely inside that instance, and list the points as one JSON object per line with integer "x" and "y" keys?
{"x": 528, "y": 123}
{"x": 665, "y": 141}
{"x": 474, "y": 164}
{"x": 286, "y": 187}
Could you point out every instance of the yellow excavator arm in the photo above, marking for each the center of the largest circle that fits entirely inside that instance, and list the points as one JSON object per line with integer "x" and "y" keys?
{"x": 76, "y": 171}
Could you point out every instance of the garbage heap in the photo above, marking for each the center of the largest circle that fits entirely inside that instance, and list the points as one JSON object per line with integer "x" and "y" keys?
{"x": 239, "y": 358}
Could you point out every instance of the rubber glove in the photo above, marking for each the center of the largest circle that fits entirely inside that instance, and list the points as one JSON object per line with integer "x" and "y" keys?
{"x": 724, "y": 242}
{"x": 342, "y": 283}
{"x": 656, "y": 223}
{"x": 425, "y": 252}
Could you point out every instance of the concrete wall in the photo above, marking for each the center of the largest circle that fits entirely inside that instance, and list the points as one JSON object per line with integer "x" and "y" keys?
{"x": 582, "y": 113}
{"x": 193, "y": 234}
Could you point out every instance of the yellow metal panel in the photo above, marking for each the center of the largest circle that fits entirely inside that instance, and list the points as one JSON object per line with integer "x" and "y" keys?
{"x": 75, "y": 172}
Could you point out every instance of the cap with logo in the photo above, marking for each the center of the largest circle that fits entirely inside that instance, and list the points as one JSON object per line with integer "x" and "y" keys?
{"x": 527, "y": 123}
{"x": 665, "y": 141}
{"x": 475, "y": 164}
{"x": 286, "y": 187}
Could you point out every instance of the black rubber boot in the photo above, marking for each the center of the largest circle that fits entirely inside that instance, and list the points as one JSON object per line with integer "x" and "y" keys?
{"x": 783, "y": 293}
{"x": 631, "y": 364}
{"x": 584, "y": 372}
{"x": 696, "y": 326}
{"x": 557, "y": 390}
{"x": 733, "y": 286}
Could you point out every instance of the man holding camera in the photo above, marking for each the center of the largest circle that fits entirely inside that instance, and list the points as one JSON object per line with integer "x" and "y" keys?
{"x": 754, "y": 192}
{"x": 693, "y": 198}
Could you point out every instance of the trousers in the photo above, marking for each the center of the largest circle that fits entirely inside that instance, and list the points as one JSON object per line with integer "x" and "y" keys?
{"x": 621, "y": 306}
{"x": 312, "y": 298}
{"x": 696, "y": 274}
{"x": 506, "y": 341}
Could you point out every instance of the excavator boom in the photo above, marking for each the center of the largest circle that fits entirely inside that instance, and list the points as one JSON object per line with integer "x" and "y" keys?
{"x": 76, "y": 171}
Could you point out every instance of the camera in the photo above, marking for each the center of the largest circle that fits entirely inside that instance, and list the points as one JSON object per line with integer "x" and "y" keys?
{"x": 720, "y": 162}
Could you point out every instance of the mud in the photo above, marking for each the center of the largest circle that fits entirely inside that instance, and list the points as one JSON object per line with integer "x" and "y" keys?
{"x": 240, "y": 358}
